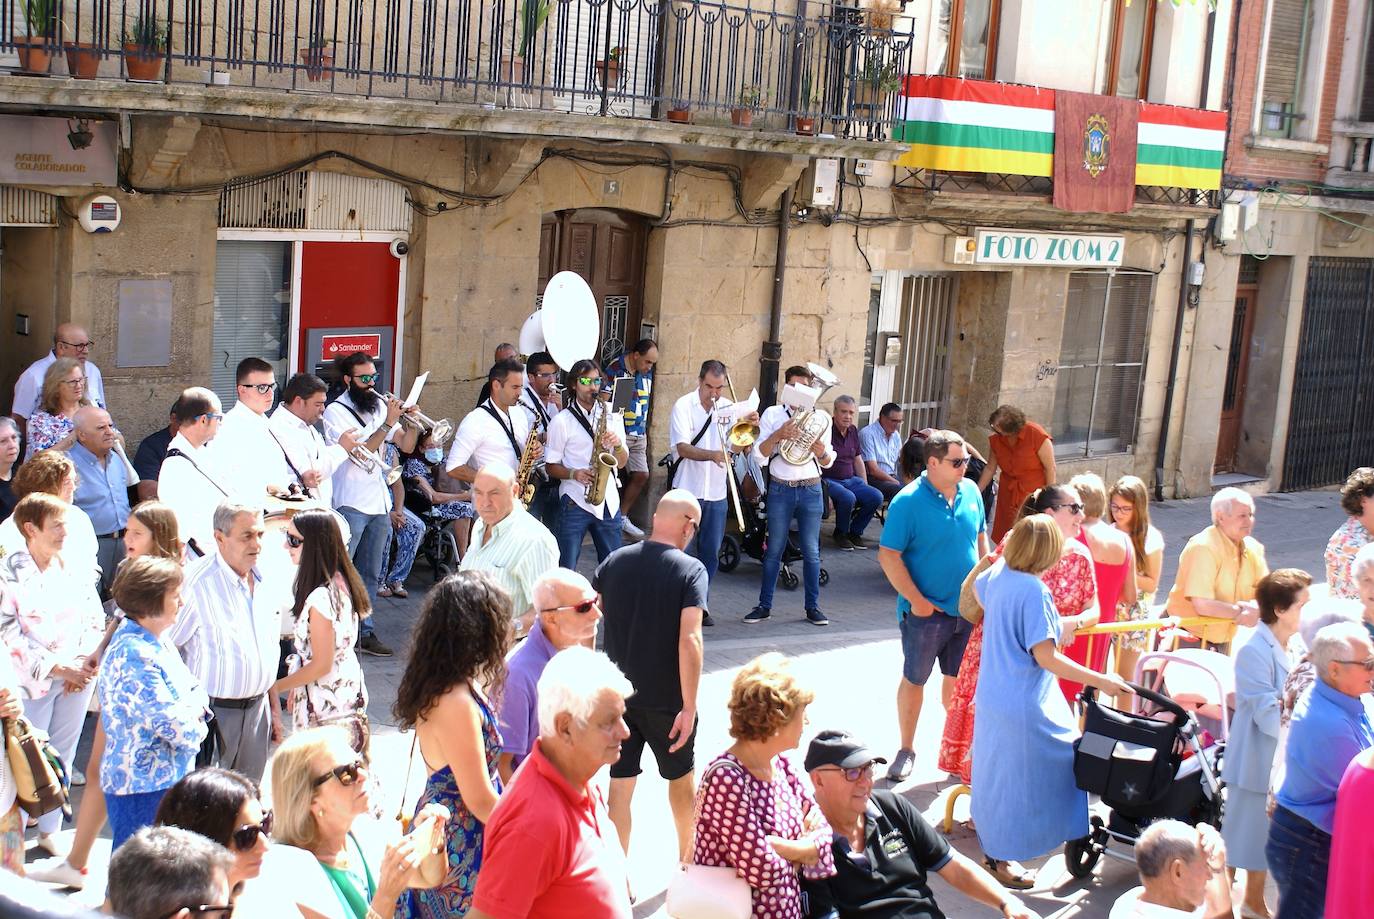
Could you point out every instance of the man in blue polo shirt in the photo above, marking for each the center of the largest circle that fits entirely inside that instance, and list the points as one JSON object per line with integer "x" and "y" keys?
{"x": 934, "y": 535}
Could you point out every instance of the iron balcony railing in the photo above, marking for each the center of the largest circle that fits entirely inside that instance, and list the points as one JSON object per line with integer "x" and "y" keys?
{"x": 804, "y": 66}
{"x": 1043, "y": 186}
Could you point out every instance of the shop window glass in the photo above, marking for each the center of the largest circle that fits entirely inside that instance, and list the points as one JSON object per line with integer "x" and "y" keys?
{"x": 252, "y": 309}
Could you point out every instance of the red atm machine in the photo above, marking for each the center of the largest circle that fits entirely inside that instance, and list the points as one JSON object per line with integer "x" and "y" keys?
{"x": 349, "y": 301}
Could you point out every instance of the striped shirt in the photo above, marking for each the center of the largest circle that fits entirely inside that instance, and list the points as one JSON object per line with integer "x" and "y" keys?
{"x": 520, "y": 552}
{"x": 227, "y": 633}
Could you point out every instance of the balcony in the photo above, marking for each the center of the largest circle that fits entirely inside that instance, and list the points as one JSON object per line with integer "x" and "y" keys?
{"x": 805, "y": 68}
{"x": 1352, "y": 155}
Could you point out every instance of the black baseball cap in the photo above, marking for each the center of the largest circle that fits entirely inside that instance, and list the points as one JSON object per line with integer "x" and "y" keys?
{"x": 836, "y": 748}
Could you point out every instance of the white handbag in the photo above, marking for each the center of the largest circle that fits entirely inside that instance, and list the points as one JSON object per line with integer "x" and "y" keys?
{"x": 707, "y": 891}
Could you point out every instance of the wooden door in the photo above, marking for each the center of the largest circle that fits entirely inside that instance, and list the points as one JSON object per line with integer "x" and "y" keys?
{"x": 607, "y": 249}
{"x": 1237, "y": 372}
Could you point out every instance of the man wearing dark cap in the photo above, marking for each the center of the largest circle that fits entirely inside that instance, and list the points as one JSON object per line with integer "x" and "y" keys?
{"x": 883, "y": 847}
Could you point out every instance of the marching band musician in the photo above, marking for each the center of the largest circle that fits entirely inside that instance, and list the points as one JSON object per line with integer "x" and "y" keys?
{"x": 190, "y": 481}
{"x": 494, "y": 432}
{"x": 793, "y": 492}
{"x": 243, "y": 447}
{"x": 310, "y": 460}
{"x": 570, "y": 456}
{"x": 542, "y": 404}
{"x": 362, "y": 497}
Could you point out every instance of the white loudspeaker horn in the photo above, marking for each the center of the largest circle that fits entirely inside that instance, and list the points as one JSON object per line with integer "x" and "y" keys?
{"x": 570, "y": 321}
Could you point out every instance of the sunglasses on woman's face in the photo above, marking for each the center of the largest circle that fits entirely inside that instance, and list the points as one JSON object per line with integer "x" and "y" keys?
{"x": 246, "y": 836}
{"x": 294, "y": 541}
{"x": 347, "y": 774}
{"x": 1072, "y": 508}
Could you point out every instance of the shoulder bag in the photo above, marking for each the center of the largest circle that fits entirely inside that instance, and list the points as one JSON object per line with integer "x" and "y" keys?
{"x": 40, "y": 777}
{"x": 969, "y": 607}
{"x": 672, "y": 464}
{"x": 707, "y": 891}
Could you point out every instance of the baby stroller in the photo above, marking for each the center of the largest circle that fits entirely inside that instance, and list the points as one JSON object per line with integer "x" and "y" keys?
{"x": 1154, "y": 764}
{"x": 753, "y": 540}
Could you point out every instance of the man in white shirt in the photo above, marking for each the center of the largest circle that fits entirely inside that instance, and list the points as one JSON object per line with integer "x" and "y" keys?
{"x": 227, "y": 633}
{"x": 793, "y": 492}
{"x": 362, "y": 497}
{"x": 70, "y": 340}
{"x": 495, "y": 431}
{"x": 1183, "y": 872}
{"x": 243, "y": 448}
{"x": 190, "y": 482}
{"x": 542, "y": 405}
{"x": 571, "y": 459}
{"x": 308, "y": 459}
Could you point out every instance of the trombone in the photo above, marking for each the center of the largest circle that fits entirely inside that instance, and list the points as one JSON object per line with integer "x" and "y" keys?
{"x": 439, "y": 431}
{"x": 741, "y": 434}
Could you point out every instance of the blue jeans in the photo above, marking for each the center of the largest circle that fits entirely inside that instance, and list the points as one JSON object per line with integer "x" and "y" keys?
{"x": 369, "y": 535}
{"x": 848, "y": 492}
{"x": 400, "y": 553}
{"x": 1298, "y": 853}
{"x": 705, "y": 545}
{"x": 547, "y": 505}
{"x": 574, "y": 523}
{"x": 130, "y": 813}
{"x": 805, "y": 504}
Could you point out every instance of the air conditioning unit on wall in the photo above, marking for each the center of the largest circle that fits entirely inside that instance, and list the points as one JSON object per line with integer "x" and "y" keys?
{"x": 959, "y": 250}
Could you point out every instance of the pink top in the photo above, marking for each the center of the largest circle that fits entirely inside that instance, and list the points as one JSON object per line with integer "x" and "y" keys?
{"x": 1349, "y": 880}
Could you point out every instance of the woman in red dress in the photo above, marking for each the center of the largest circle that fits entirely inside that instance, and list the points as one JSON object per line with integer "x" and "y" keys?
{"x": 1024, "y": 454}
{"x": 1114, "y": 568}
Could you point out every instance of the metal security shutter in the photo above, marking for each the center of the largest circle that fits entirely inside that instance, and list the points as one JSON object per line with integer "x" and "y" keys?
{"x": 921, "y": 387}
{"x": 1331, "y": 426}
{"x": 314, "y": 200}
{"x": 252, "y": 309}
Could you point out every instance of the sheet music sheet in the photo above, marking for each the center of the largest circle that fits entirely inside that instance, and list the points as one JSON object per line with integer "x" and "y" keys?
{"x": 415, "y": 389}
{"x": 729, "y": 414}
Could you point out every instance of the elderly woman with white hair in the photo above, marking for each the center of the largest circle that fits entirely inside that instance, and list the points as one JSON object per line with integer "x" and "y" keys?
{"x": 1219, "y": 569}
{"x": 550, "y": 844}
{"x": 1332, "y": 724}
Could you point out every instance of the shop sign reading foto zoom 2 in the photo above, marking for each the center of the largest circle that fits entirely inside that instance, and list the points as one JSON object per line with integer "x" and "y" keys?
{"x": 1067, "y": 250}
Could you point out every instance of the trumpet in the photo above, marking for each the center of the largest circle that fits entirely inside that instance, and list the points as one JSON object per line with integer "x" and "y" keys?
{"x": 439, "y": 431}
{"x": 370, "y": 462}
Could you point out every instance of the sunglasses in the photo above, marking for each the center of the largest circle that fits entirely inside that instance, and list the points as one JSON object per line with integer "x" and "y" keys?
{"x": 223, "y": 911}
{"x": 213, "y": 416}
{"x": 581, "y": 609}
{"x": 547, "y": 375}
{"x": 347, "y": 774}
{"x": 1073, "y": 508}
{"x": 851, "y": 775}
{"x": 589, "y": 381}
{"x": 262, "y": 388}
{"x": 367, "y": 377}
{"x": 246, "y": 836}
{"x": 958, "y": 463}
{"x": 80, "y": 346}
{"x": 294, "y": 541}
{"x": 1367, "y": 665}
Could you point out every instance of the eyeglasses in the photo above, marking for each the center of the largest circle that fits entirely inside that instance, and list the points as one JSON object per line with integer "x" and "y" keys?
{"x": 958, "y": 463}
{"x": 213, "y": 416}
{"x": 546, "y": 375}
{"x": 1367, "y": 665}
{"x": 246, "y": 836}
{"x": 76, "y": 382}
{"x": 1073, "y": 508}
{"x": 223, "y": 911}
{"x": 850, "y": 775}
{"x": 262, "y": 388}
{"x": 294, "y": 541}
{"x": 589, "y": 381}
{"x": 347, "y": 774}
{"x": 1120, "y": 508}
{"x": 80, "y": 346}
{"x": 581, "y": 609}
{"x": 367, "y": 377}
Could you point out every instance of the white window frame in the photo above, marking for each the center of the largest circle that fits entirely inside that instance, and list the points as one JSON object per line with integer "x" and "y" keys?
{"x": 1304, "y": 139}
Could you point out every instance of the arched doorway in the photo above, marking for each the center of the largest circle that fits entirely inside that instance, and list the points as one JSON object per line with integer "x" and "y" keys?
{"x": 606, "y": 248}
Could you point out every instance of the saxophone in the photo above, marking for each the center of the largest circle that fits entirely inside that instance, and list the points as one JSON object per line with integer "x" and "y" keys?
{"x": 524, "y": 476}
{"x": 603, "y": 462}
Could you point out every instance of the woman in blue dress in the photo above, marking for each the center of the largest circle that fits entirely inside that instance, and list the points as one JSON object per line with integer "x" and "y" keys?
{"x": 1027, "y": 802}
{"x": 445, "y": 697}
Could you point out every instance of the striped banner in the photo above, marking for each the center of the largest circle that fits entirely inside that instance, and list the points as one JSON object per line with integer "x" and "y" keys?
{"x": 958, "y": 125}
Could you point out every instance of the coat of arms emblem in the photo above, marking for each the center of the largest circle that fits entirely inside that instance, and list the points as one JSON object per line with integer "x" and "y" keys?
{"x": 1097, "y": 142}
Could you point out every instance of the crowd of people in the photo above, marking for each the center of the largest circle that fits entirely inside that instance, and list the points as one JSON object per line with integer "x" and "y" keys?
{"x": 211, "y": 598}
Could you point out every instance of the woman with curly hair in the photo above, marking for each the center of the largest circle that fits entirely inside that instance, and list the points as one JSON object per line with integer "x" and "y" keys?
{"x": 1021, "y": 457}
{"x": 446, "y": 696}
{"x": 1357, "y": 500}
{"x": 754, "y": 813}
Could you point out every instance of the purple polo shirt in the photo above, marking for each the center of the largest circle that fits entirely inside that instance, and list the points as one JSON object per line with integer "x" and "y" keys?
{"x": 519, "y": 719}
{"x": 847, "y": 453}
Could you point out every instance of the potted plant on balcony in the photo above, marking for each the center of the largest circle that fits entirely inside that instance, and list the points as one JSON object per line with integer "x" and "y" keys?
{"x": 35, "y": 46}
{"x": 318, "y": 58}
{"x": 680, "y": 112}
{"x": 608, "y": 71}
{"x": 533, "y": 15}
{"x": 742, "y": 115}
{"x": 83, "y": 59}
{"x": 809, "y": 103}
{"x": 145, "y": 48}
{"x": 875, "y": 82}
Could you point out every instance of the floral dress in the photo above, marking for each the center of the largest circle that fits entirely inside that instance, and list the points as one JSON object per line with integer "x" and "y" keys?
{"x": 416, "y": 468}
{"x": 462, "y": 834}
{"x": 1349, "y": 538}
{"x": 340, "y": 696}
{"x": 46, "y": 430}
{"x": 1072, "y": 586}
{"x": 737, "y": 812}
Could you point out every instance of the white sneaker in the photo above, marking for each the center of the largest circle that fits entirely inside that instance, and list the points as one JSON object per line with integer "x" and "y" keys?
{"x": 628, "y": 527}
{"x": 56, "y": 871}
{"x": 48, "y": 843}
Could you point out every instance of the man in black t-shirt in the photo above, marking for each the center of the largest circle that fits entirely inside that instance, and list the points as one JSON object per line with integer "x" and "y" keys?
{"x": 883, "y": 847}
{"x": 653, "y": 596}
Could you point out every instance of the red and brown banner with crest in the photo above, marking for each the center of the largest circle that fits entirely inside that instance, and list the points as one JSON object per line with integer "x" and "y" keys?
{"x": 1094, "y": 152}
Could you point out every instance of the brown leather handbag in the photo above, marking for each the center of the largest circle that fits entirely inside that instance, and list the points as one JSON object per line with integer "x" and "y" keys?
{"x": 39, "y": 774}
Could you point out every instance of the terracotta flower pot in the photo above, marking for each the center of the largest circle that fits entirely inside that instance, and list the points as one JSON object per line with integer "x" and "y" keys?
{"x": 143, "y": 64}
{"x": 608, "y": 74}
{"x": 682, "y": 115}
{"x": 83, "y": 59}
{"x": 319, "y": 62}
{"x": 806, "y": 125}
{"x": 511, "y": 70}
{"x": 742, "y": 117}
{"x": 35, "y": 53}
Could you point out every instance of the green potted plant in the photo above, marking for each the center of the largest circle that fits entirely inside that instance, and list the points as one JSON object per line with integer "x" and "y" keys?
{"x": 533, "y": 15}
{"x": 608, "y": 71}
{"x": 145, "y": 48}
{"x": 35, "y": 46}
{"x": 680, "y": 112}
{"x": 318, "y": 58}
{"x": 808, "y": 103}
{"x": 742, "y": 115}
{"x": 875, "y": 82}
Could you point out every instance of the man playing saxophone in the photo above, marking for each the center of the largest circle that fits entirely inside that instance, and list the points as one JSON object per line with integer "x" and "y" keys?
{"x": 573, "y": 454}
{"x": 794, "y": 491}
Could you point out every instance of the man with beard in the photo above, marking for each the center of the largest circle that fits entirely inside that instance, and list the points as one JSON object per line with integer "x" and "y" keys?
{"x": 363, "y": 498}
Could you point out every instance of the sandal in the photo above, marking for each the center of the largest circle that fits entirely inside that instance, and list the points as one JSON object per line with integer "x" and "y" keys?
{"x": 1010, "y": 874}
{"x": 398, "y": 590}
{"x": 384, "y": 590}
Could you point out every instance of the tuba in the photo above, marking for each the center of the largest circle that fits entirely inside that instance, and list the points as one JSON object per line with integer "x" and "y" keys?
{"x": 603, "y": 461}
{"x": 812, "y": 422}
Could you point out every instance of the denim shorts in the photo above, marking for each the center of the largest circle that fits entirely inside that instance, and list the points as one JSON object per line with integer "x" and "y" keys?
{"x": 926, "y": 639}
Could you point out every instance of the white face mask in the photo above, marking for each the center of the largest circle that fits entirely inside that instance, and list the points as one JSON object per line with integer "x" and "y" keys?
{"x": 434, "y": 454}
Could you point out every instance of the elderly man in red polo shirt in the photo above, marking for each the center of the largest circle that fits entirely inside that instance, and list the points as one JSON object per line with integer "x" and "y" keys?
{"x": 550, "y": 849}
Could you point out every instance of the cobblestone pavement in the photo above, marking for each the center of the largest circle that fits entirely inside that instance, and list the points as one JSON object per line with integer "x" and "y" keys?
{"x": 853, "y": 666}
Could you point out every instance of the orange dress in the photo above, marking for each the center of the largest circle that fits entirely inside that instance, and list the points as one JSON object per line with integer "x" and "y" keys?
{"x": 1019, "y": 473}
